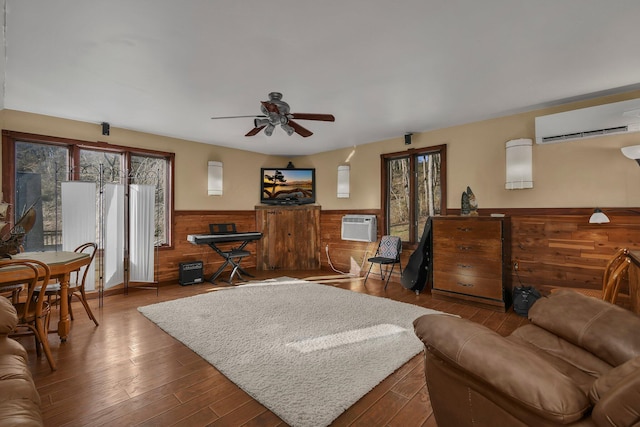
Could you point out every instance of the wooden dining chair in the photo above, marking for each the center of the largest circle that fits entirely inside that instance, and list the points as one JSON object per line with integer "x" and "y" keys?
{"x": 609, "y": 282}
{"x": 77, "y": 282}
{"x": 32, "y": 309}
{"x": 612, "y": 287}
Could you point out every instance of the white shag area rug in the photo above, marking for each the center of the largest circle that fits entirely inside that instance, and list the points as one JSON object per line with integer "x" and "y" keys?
{"x": 305, "y": 351}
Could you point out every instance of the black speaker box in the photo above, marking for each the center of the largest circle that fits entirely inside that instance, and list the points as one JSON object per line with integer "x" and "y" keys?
{"x": 190, "y": 273}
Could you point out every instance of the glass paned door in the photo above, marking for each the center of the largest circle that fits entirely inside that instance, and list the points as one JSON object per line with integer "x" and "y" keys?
{"x": 39, "y": 171}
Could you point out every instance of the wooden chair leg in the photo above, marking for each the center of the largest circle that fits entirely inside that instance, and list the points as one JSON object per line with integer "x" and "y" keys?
{"x": 83, "y": 299}
{"x": 69, "y": 305}
{"x": 42, "y": 332}
{"x": 38, "y": 349}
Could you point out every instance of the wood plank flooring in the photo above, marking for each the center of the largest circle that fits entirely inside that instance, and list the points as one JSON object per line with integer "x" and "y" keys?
{"x": 129, "y": 372}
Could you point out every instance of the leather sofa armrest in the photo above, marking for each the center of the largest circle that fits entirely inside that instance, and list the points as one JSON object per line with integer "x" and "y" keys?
{"x": 604, "y": 329}
{"x": 512, "y": 369}
{"x": 616, "y": 395}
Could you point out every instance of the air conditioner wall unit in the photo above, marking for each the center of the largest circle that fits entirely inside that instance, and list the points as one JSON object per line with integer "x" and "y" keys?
{"x": 606, "y": 119}
{"x": 359, "y": 228}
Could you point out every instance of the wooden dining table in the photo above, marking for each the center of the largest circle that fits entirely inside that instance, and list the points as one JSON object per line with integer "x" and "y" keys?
{"x": 61, "y": 264}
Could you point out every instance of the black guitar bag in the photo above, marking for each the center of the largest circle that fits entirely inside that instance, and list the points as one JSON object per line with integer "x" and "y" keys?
{"x": 416, "y": 274}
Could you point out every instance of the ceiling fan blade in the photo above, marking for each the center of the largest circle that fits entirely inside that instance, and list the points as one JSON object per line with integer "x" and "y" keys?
{"x": 254, "y": 131}
{"x": 308, "y": 116}
{"x": 235, "y": 117}
{"x": 270, "y": 107}
{"x": 299, "y": 129}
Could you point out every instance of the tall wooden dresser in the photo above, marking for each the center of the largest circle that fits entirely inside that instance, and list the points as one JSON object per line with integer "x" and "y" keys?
{"x": 290, "y": 237}
{"x": 472, "y": 260}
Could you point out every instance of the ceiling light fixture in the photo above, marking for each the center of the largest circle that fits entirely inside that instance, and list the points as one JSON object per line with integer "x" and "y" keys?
{"x": 288, "y": 129}
{"x": 269, "y": 129}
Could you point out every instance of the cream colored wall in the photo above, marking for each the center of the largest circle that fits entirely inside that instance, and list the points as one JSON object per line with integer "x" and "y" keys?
{"x": 584, "y": 173}
{"x": 241, "y": 168}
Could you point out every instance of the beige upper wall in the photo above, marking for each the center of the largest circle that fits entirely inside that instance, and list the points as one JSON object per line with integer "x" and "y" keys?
{"x": 241, "y": 168}
{"x": 583, "y": 173}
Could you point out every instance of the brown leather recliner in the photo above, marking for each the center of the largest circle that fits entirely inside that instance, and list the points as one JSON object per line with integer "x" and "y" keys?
{"x": 576, "y": 363}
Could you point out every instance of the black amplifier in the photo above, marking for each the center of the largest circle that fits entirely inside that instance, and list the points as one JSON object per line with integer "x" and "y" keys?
{"x": 190, "y": 273}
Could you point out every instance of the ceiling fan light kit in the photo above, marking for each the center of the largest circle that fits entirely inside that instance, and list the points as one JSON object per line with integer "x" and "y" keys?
{"x": 275, "y": 112}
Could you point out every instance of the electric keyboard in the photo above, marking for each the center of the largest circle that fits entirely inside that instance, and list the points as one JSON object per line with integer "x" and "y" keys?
{"x": 206, "y": 239}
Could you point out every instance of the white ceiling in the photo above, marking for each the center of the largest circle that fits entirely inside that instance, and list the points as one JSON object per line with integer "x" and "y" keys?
{"x": 383, "y": 68}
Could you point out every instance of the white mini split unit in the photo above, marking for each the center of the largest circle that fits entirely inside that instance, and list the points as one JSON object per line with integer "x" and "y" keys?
{"x": 360, "y": 228}
{"x": 606, "y": 119}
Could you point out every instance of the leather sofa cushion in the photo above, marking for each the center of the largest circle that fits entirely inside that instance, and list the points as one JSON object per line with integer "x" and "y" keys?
{"x": 531, "y": 381}
{"x": 15, "y": 379}
{"x": 10, "y": 346}
{"x": 573, "y": 361}
{"x": 20, "y": 413}
{"x": 8, "y": 316}
{"x": 604, "y": 329}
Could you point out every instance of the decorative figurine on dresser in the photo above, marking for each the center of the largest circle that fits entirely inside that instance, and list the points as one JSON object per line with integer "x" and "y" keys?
{"x": 471, "y": 260}
{"x": 468, "y": 203}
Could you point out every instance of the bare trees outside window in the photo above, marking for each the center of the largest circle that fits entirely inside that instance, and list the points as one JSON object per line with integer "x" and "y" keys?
{"x": 39, "y": 164}
{"x": 414, "y": 189}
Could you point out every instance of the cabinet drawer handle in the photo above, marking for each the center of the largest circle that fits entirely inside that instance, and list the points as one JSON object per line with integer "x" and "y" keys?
{"x": 465, "y": 266}
{"x": 464, "y": 229}
{"x": 464, "y": 248}
{"x": 466, "y": 285}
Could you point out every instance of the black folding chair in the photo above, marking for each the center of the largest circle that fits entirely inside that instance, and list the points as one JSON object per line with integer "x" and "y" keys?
{"x": 388, "y": 253}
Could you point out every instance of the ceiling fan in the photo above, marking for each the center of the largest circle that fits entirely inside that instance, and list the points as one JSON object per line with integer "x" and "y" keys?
{"x": 276, "y": 112}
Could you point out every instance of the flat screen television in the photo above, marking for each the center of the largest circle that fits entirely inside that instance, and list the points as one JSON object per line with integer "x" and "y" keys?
{"x": 287, "y": 186}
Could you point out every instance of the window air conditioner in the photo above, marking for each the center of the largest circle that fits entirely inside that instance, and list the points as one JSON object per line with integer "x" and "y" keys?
{"x": 360, "y": 228}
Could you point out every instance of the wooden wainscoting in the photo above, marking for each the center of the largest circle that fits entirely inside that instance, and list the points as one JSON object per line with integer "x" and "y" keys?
{"x": 197, "y": 222}
{"x": 553, "y": 247}
{"x": 565, "y": 251}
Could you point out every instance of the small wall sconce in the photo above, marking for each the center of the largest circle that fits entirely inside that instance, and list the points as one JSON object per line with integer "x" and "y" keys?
{"x": 598, "y": 217}
{"x": 519, "y": 164}
{"x": 215, "y": 179}
{"x": 343, "y": 181}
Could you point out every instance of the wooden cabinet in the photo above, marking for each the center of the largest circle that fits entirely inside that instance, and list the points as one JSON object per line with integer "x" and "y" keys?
{"x": 471, "y": 260}
{"x": 290, "y": 237}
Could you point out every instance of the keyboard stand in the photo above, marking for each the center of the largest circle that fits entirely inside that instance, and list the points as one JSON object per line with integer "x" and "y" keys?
{"x": 230, "y": 258}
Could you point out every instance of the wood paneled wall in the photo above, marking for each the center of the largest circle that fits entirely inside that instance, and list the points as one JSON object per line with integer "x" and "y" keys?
{"x": 567, "y": 251}
{"x": 553, "y": 247}
{"x": 197, "y": 222}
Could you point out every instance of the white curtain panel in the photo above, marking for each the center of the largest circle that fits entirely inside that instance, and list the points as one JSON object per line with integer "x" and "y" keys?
{"x": 141, "y": 232}
{"x": 113, "y": 250}
{"x": 79, "y": 220}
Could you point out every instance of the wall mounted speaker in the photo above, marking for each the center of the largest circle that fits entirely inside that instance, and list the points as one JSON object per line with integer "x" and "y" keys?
{"x": 407, "y": 138}
{"x": 105, "y": 128}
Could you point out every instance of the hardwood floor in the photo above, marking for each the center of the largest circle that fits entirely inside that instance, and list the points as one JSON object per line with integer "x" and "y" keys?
{"x": 129, "y": 372}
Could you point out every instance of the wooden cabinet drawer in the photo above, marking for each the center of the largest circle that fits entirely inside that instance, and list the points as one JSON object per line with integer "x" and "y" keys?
{"x": 487, "y": 249}
{"x": 467, "y": 230}
{"x": 469, "y": 285}
{"x": 468, "y": 265}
